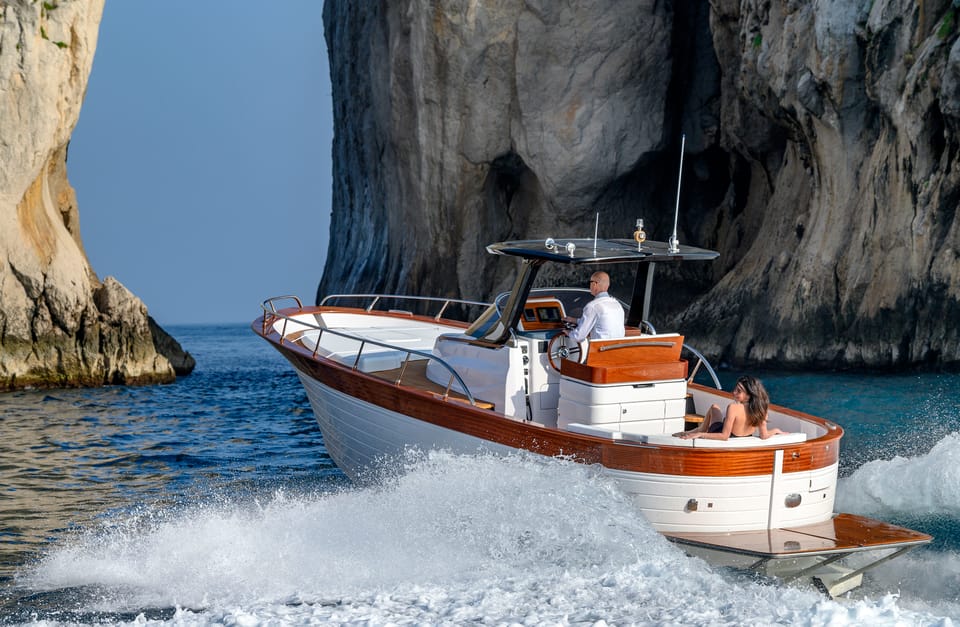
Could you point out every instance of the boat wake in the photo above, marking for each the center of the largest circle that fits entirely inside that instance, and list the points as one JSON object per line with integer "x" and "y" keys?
{"x": 454, "y": 539}
{"x": 922, "y": 491}
{"x": 923, "y": 485}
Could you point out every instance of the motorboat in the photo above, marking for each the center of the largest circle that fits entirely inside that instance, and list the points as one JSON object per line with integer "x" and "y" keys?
{"x": 388, "y": 373}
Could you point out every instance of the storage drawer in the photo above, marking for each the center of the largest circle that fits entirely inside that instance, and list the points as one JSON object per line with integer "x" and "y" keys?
{"x": 570, "y": 411}
{"x": 647, "y": 410}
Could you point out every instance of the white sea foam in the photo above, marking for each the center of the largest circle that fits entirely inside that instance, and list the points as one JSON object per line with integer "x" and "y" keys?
{"x": 926, "y": 484}
{"x": 517, "y": 540}
{"x": 926, "y": 581}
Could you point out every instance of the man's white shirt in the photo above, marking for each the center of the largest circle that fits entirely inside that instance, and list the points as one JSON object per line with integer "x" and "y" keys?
{"x": 602, "y": 318}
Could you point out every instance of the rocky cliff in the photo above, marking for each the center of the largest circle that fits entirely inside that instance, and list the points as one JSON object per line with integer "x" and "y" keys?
{"x": 821, "y": 161}
{"x": 59, "y": 324}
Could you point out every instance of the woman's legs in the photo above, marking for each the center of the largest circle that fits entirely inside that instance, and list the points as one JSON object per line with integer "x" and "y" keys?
{"x": 713, "y": 415}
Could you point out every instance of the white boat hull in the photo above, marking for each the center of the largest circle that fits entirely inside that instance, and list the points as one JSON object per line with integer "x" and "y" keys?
{"x": 364, "y": 440}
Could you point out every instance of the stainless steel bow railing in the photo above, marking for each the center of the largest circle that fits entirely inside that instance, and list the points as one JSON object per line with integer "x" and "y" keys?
{"x": 376, "y": 298}
{"x": 271, "y": 315}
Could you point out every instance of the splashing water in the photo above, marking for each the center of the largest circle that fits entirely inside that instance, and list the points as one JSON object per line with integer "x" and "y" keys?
{"x": 212, "y": 501}
{"x": 927, "y": 484}
{"x": 520, "y": 539}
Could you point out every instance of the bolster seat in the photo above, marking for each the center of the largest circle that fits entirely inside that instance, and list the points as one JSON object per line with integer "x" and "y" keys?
{"x": 630, "y": 359}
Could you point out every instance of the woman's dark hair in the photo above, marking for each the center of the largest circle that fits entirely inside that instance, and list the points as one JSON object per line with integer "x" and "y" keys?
{"x": 758, "y": 402}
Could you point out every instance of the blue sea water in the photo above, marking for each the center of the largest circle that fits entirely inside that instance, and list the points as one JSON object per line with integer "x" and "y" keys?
{"x": 212, "y": 501}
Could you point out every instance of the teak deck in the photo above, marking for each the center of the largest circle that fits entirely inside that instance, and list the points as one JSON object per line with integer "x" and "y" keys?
{"x": 415, "y": 376}
{"x": 844, "y": 533}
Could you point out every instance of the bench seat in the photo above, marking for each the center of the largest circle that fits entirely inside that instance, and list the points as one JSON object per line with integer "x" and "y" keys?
{"x": 774, "y": 440}
{"x": 373, "y": 357}
{"x": 670, "y": 440}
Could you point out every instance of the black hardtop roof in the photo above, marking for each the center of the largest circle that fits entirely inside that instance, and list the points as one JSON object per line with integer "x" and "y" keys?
{"x": 590, "y": 251}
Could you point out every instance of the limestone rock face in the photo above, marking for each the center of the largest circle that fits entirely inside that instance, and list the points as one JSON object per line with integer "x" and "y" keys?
{"x": 821, "y": 160}
{"x": 849, "y": 248}
{"x": 59, "y": 325}
{"x": 481, "y": 121}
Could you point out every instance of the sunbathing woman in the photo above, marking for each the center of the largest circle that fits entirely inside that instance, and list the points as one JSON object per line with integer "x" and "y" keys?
{"x": 746, "y": 414}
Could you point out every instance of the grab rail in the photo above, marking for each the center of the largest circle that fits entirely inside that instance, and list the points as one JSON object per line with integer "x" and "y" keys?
{"x": 271, "y": 316}
{"x": 273, "y": 302}
{"x": 611, "y": 347}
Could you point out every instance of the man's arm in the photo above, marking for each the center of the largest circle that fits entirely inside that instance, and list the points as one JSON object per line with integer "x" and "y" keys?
{"x": 585, "y": 324}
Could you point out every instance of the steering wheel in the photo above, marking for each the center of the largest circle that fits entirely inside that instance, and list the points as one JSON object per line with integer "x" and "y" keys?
{"x": 558, "y": 349}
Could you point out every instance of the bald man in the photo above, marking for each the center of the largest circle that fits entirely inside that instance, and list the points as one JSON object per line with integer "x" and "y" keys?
{"x": 603, "y": 316}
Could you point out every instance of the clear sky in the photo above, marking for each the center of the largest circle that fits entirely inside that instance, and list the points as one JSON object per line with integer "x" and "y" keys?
{"x": 201, "y": 160}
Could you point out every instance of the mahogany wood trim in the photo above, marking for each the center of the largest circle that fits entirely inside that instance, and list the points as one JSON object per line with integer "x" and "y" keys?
{"x": 538, "y": 325}
{"x": 634, "y": 350}
{"x": 627, "y": 373}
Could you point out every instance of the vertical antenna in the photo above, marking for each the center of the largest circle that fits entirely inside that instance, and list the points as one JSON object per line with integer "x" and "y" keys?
{"x": 596, "y": 227}
{"x": 674, "y": 242}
